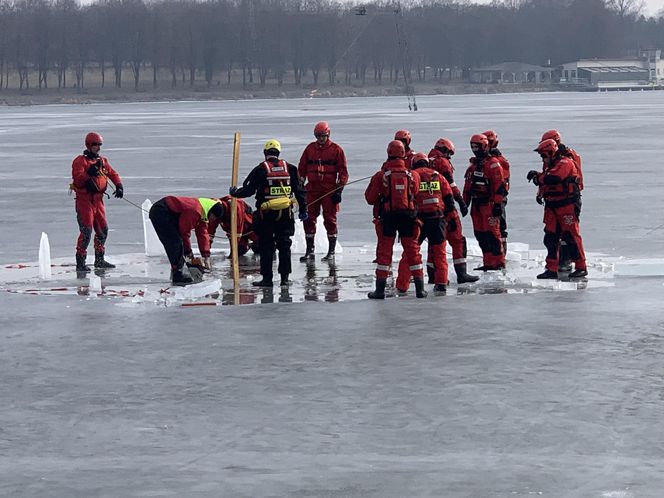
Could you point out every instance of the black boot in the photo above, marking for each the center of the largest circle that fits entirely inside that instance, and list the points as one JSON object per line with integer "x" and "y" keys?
{"x": 548, "y": 274}
{"x": 332, "y": 245}
{"x": 265, "y": 282}
{"x": 419, "y": 288}
{"x": 578, "y": 273}
{"x": 100, "y": 262}
{"x": 80, "y": 264}
{"x": 284, "y": 280}
{"x": 309, "y": 252}
{"x": 181, "y": 277}
{"x": 462, "y": 276}
{"x": 439, "y": 289}
{"x": 379, "y": 293}
{"x": 431, "y": 274}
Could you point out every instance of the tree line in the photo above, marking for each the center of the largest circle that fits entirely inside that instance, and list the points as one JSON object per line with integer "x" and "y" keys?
{"x": 48, "y": 43}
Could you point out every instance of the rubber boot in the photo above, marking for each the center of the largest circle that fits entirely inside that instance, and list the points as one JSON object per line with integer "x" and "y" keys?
{"x": 431, "y": 274}
{"x": 181, "y": 277}
{"x": 100, "y": 262}
{"x": 80, "y": 264}
{"x": 284, "y": 280}
{"x": 379, "y": 293}
{"x": 309, "y": 252}
{"x": 578, "y": 273}
{"x": 462, "y": 275}
{"x": 548, "y": 274}
{"x": 265, "y": 282}
{"x": 439, "y": 289}
{"x": 332, "y": 245}
{"x": 419, "y": 288}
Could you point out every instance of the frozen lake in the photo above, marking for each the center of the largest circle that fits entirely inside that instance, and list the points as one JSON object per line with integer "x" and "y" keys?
{"x": 470, "y": 395}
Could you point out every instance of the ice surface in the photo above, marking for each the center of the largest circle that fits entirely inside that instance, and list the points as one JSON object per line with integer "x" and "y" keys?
{"x": 652, "y": 267}
{"x": 44, "y": 258}
{"x": 512, "y": 387}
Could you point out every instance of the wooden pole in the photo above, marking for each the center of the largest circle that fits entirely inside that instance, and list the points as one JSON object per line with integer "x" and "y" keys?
{"x": 234, "y": 234}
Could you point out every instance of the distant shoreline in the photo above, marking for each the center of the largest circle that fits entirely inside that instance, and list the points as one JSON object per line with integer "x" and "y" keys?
{"x": 12, "y": 97}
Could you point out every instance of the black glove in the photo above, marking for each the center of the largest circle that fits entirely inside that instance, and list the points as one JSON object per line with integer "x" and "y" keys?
{"x": 532, "y": 176}
{"x": 91, "y": 186}
{"x": 93, "y": 170}
{"x": 539, "y": 200}
{"x": 497, "y": 210}
{"x": 119, "y": 191}
{"x": 336, "y": 197}
{"x": 233, "y": 191}
{"x": 463, "y": 207}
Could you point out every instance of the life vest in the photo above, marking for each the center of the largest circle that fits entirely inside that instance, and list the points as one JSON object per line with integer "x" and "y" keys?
{"x": 429, "y": 199}
{"x": 278, "y": 190}
{"x": 398, "y": 188}
{"x": 479, "y": 187}
{"x": 565, "y": 192}
{"x": 576, "y": 159}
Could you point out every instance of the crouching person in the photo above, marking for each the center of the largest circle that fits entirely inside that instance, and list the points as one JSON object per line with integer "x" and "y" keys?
{"x": 173, "y": 219}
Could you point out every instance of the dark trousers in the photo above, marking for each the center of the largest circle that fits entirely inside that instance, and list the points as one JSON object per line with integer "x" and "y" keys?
{"x": 275, "y": 229}
{"x": 165, "y": 223}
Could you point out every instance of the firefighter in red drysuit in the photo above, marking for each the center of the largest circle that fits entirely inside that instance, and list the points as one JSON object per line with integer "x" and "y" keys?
{"x": 484, "y": 190}
{"x": 247, "y": 238}
{"x": 323, "y": 167}
{"x": 505, "y": 164}
{"x": 90, "y": 174}
{"x": 173, "y": 219}
{"x": 565, "y": 262}
{"x": 394, "y": 188}
{"x": 404, "y": 137}
{"x": 558, "y": 187}
{"x": 434, "y": 198}
{"x": 439, "y": 158}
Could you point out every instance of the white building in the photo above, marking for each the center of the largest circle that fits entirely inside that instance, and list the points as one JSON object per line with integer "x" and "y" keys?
{"x": 641, "y": 72}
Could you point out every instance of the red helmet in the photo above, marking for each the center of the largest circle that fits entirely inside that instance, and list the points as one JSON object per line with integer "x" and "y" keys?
{"x": 492, "y": 138}
{"x": 396, "y": 149}
{"x": 418, "y": 158}
{"x": 444, "y": 143}
{"x": 481, "y": 140}
{"x": 551, "y": 134}
{"x": 403, "y": 135}
{"x": 322, "y": 128}
{"x": 93, "y": 138}
{"x": 547, "y": 148}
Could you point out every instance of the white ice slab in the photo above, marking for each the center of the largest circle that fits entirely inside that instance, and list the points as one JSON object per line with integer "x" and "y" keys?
{"x": 299, "y": 244}
{"x": 653, "y": 267}
{"x": 153, "y": 246}
{"x": 44, "y": 258}
{"x": 195, "y": 291}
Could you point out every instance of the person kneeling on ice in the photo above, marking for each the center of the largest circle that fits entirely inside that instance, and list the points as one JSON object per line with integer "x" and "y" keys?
{"x": 559, "y": 191}
{"x": 433, "y": 200}
{"x": 173, "y": 219}
{"x": 484, "y": 190}
{"x": 247, "y": 237}
{"x": 274, "y": 182}
{"x": 90, "y": 173}
{"x": 394, "y": 188}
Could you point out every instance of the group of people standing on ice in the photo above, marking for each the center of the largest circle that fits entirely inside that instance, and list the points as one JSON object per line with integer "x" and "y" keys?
{"x": 413, "y": 195}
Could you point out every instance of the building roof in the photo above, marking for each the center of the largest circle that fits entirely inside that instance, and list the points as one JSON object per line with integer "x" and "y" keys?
{"x": 615, "y": 69}
{"x": 514, "y": 67}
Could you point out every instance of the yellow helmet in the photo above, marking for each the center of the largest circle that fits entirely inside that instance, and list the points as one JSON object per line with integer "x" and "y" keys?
{"x": 272, "y": 144}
